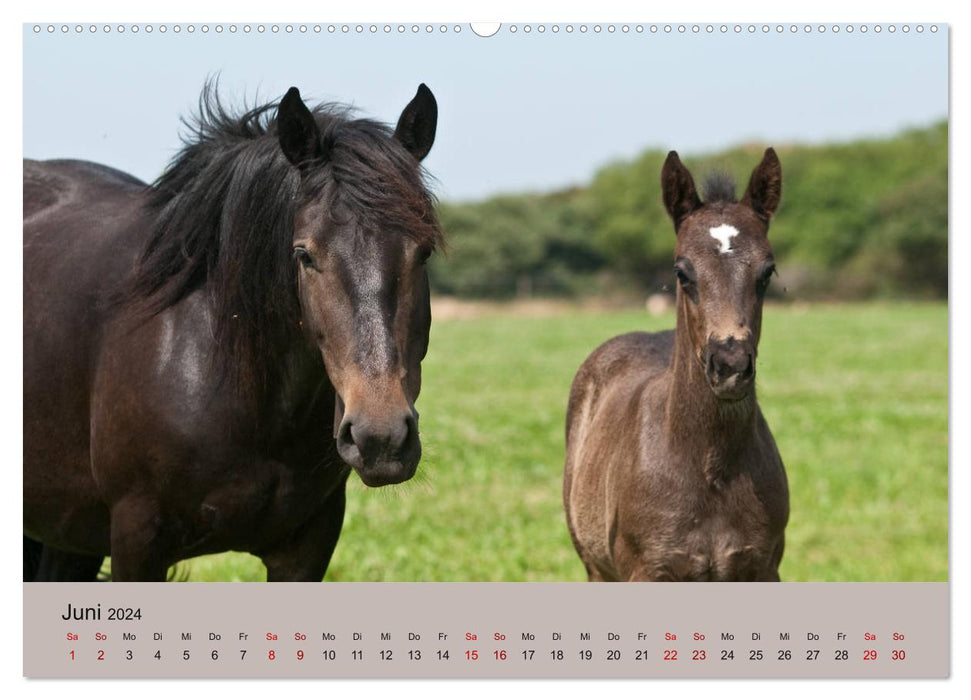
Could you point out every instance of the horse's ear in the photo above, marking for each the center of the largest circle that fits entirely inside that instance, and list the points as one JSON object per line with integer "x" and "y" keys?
{"x": 765, "y": 186}
{"x": 417, "y": 123}
{"x": 297, "y": 128}
{"x": 678, "y": 189}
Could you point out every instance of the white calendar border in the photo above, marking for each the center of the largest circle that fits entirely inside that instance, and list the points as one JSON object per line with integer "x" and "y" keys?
{"x": 510, "y": 11}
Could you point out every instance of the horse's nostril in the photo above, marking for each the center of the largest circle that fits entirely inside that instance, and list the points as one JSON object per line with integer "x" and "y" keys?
{"x": 749, "y": 367}
{"x": 347, "y": 445}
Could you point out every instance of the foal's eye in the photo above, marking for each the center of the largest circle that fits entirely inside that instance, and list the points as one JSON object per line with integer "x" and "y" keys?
{"x": 682, "y": 276}
{"x": 303, "y": 257}
{"x": 765, "y": 277}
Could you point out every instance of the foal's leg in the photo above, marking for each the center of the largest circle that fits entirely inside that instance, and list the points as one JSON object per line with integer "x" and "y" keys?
{"x": 306, "y": 554}
{"x": 595, "y": 575}
{"x": 135, "y": 544}
{"x": 644, "y": 573}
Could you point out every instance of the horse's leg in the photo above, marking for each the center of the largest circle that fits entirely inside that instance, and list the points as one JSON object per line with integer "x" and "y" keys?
{"x": 135, "y": 547}
{"x": 58, "y": 565}
{"x": 306, "y": 555}
{"x": 32, "y": 554}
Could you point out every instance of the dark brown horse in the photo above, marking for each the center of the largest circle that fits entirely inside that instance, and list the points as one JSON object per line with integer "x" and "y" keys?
{"x": 671, "y": 471}
{"x": 206, "y": 358}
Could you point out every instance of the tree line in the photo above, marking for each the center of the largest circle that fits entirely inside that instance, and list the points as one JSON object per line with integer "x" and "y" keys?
{"x": 861, "y": 219}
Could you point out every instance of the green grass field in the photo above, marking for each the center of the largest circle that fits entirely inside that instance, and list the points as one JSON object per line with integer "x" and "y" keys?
{"x": 856, "y": 396}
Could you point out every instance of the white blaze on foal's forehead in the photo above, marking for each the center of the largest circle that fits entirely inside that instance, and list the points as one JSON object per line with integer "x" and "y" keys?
{"x": 724, "y": 235}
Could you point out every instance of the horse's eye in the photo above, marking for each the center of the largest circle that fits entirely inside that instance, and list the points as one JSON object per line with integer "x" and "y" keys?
{"x": 423, "y": 255}
{"x": 303, "y": 256}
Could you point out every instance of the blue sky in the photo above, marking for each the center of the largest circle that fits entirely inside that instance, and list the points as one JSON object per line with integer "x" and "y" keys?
{"x": 517, "y": 111}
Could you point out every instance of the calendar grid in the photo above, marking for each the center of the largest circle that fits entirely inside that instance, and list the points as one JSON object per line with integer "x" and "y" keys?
{"x": 486, "y": 630}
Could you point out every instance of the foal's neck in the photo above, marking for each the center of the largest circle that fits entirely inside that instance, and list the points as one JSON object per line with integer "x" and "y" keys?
{"x": 699, "y": 424}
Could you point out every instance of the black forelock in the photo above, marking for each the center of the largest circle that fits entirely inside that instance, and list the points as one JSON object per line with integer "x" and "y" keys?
{"x": 719, "y": 187}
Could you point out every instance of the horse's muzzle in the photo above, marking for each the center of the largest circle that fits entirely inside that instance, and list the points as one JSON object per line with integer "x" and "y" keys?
{"x": 730, "y": 368}
{"x": 382, "y": 450}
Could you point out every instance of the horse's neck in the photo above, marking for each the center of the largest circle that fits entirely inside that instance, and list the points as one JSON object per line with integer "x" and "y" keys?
{"x": 711, "y": 432}
{"x": 301, "y": 386}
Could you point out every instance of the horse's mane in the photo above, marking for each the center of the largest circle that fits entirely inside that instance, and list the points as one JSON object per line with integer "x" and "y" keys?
{"x": 224, "y": 216}
{"x": 719, "y": 187}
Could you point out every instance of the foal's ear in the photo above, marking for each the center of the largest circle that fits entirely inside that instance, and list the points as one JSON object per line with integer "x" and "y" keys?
{"x": 417, "y": 123}
{"x": 678, "y": 189}
{"x": 765, "y": 186}
{"x": 297, "y": 128}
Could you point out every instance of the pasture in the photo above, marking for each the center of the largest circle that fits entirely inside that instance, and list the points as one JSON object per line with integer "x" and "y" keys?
{"x": 856, "y": 396}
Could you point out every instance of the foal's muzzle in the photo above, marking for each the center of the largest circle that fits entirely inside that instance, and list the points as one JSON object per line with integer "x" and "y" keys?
{"x": 730, "y": 368}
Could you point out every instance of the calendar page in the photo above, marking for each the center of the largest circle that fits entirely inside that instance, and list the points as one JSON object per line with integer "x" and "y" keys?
{"x": 472, "y": 351}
